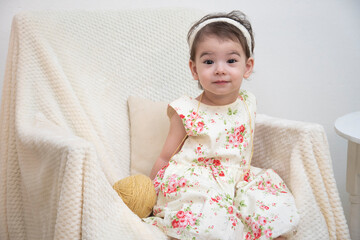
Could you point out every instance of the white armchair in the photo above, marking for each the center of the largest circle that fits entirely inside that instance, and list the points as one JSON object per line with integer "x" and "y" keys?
{"x": 65, "y": 127}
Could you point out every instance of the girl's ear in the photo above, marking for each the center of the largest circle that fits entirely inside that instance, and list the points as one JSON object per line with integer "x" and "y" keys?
{"x": 249, "y": 67}
{"x": 193, "y": 70}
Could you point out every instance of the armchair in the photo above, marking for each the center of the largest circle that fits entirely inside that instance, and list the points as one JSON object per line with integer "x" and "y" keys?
{"x": 65, "y": 126}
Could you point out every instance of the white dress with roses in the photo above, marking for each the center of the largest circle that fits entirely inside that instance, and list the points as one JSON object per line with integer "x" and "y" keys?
{"x": 199, "y": 196}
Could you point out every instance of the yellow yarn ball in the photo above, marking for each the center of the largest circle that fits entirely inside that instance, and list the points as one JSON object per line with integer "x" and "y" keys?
{"x": 138, "y": 193}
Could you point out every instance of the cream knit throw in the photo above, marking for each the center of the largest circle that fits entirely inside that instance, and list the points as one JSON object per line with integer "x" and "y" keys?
{"x": 65, "y": 132}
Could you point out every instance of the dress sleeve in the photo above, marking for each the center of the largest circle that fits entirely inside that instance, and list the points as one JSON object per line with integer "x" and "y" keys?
{"x": 186, "y": 110}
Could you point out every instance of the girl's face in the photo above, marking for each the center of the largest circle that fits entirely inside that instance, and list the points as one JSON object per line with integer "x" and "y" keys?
{"x": 220, "y": 66}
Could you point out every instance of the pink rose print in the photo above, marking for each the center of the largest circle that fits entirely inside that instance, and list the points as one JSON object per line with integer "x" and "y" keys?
{"x": 263, "y": 207}
{"x": 183, "y": 223}
{"x": 200, "y": 127}
{"x": 262, "y": 220}
{"x": 257, "y": 235}
{"x": 270, "y": 187}
{"x": 172, "y": 185}
{"x": 189, "y": 123}
{"x": 190, "y": 218}
{"x": 234, "y": 221}
{"x": 182, "y": 182}
{"x": 217, "y": 162}
{"x": 193, "y": 122}
{"x": 272, "y": 191}
{"x": 248, "y": 220}
{"x": 268, "y": 184}
{"x": 180, "y": 214}
{"x": 242, "y": 128}
{"x": 193, "y": 115}
{"x": 199, "y": 151}
{"x": 184, "y": 219}
{"x": 175, "y": 223}
{"x": 162, "y": 189}
{"x": 160, "y": 173}
{"x": 261, "y": 186}
{"x": 247, "y": 176}
{"x": 232, "y": 139}
{"x": 236, "y": 136}
{"x": 156, "y": 183}
{"x": 254, "y": 227}
{"x": 215, "y": 165}
{"x": 157, "y": 211}
{"x": 268, "y": 233}
{"x": 230, "y": 210}
{"x": 257, "y": 226}
{"x": 216, "y": 199}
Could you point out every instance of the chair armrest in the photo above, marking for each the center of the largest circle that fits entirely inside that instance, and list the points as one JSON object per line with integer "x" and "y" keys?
{"x": 47, "y": 180}
{"x": 276, "y": 139}
{"x": 59, "y": 182}
{"x": 299, "y": 153}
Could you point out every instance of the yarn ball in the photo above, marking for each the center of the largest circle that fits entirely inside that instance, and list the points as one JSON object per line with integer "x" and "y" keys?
{"x": 138, "y": 193}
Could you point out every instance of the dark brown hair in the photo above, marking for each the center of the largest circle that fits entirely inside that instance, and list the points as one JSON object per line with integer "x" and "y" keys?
{"x": 223, "y": 30}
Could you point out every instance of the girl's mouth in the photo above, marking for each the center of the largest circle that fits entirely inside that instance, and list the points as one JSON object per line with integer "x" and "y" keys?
{"x": 221, "y": 82}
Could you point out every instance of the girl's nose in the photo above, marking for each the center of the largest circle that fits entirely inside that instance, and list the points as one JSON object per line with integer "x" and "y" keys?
{"x": 219, "y": 69}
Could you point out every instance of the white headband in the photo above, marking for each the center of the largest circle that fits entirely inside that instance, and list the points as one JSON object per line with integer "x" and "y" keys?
{"x": 244, "y": 31}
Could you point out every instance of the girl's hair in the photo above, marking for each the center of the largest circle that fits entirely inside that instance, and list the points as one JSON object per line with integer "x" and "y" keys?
{"x": 223, "y": 30}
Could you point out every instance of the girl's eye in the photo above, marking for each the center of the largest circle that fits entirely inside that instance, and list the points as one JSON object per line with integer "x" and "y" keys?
{"x": 208, "y": 61}
{"x": 231, "y": 61}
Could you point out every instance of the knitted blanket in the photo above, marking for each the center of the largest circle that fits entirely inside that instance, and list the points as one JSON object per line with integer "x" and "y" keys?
{"x": 65, "y": 130}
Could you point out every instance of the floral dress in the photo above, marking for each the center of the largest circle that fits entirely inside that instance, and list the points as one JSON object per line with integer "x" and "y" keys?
{"x": 206, "y": 190}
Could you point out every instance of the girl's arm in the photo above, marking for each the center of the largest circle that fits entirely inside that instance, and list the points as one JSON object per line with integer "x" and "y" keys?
{"x": 175, "y": 136}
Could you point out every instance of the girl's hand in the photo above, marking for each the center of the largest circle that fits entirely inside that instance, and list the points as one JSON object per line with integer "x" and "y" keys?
{"x": 280, "y": 238}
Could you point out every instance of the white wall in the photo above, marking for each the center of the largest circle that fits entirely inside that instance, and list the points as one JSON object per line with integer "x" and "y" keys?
{"x": 307, "y": 56}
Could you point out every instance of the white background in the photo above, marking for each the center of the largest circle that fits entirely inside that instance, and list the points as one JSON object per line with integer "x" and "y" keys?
{"x": 307, "y": 56}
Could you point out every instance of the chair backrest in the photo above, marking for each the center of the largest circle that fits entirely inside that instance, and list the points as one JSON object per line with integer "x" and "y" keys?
{"x": 78, "y": 68}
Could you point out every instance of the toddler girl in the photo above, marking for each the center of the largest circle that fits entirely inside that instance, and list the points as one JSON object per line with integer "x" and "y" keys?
{"x": 205, "y": 185}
